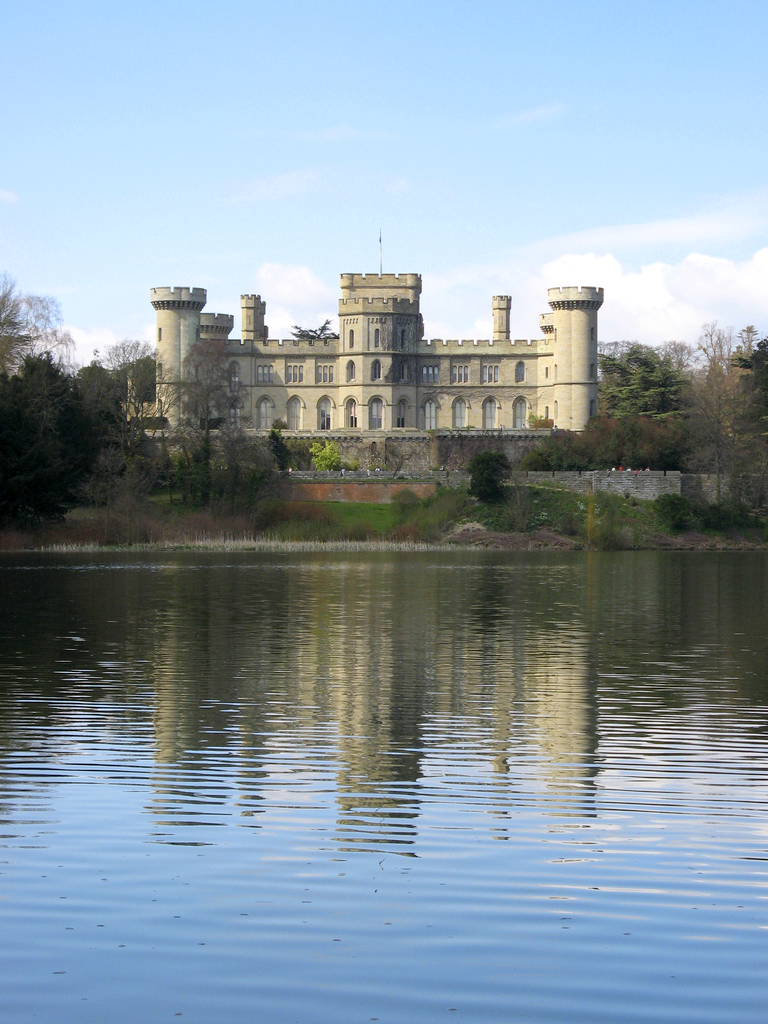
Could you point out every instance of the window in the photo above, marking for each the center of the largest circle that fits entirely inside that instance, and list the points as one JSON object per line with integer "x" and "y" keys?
{"x": 234, "y": 414}
{"x": 555, "y": 373}
{"x": 592, "y": 407}
{"x": 555, "y": 410}
{"x": 591, "y": 371}
{"x": 401, "y": 407}
{"x": 350, "y": 413}
{"x": 351, "y": 339}
{"x": 459, "y": 413}
{"x": 350, "y": 370}
{"x": 264, "y": 374}
{"x": 459, "y": 374}
{"x": 159, "y": 333}
{"x": 264, "y": 409}
{"x": 518, "y": 414}
{"x": 324, "y": 414}
{"x": 402, "y": 370}
{"x": 430, "y": 415}
{"x": 592, "y": 334}
{"x": 546, "y": 372}
{"x": 375, "y": 370}
{"x": 489, "y": 414}
{"x": 519, "y": 372}
{"x": 234, "y": 378}
{"x": 294, "y": 374}
{"x": 375, "y": 414}
{"x": 294, "y": 414}
{"x": 402, "y": 338}
{"x": 324, "y": 373}
{"x": 429, "y": 374}
{"x": 376, "y": 338}
{"x": 546, "y": 412}
{"x": 489, "y": 373}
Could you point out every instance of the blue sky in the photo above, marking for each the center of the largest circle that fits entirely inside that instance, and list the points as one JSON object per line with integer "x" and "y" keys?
{"x": 500, "y": 147}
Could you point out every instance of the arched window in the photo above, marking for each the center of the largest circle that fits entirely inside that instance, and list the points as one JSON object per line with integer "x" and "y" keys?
{"x": 350, "y": 413}
{"x": 159, "y": 333}
{"x": 234, "y": 414}
{"x": 555, "y": 373}
{"x": 546, "y": 372}
{"x": 592, "y": 407}
{"x": 555, "y": 410}
{"x": 518, "y": 411}
{"x": 351, "y": 339}
{"x": 375, "y": 414}
{"x": 591, "y": 371}
{"x": 324, "y": 414}
{"x": 519, "y": 372}
{"x": 375, "y": 370}
{"x": 402, "y": 405}
{"x": 264, "y": 409}
{"x": 294, "y": 414}
{"x": 459, "y": 413}
{"x": 376, "y": 338}
{"x": 350, "y": 370}
{"x": 234, "y": 378}
{"x": 402, "y": 338}
{"x": 489, "y": 414}
{"x": 430, "y": 415}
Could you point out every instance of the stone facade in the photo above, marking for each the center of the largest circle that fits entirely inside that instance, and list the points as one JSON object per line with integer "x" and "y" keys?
{"x": 380, "y": 376}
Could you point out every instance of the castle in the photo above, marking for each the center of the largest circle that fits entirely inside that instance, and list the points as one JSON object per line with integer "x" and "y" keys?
{"x": 380, "y": 374}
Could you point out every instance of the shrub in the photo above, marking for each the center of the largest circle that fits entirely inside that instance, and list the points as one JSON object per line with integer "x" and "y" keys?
{"x": 325, "y": 456}
{"x": 675, "y": 512}
{"x": 487, "y": 473}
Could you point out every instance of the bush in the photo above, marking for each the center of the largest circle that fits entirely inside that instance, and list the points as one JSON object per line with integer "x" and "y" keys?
{"x": 675, "y": 512}
{"x": 325, "y": 456}
{"x": 487, "y": 473}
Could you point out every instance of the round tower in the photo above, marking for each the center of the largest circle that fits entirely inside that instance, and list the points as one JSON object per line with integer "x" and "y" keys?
{"x": 178, "y": 328}
{"x": 574, "y": 331}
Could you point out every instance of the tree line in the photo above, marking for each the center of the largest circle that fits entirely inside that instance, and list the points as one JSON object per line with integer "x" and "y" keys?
{"x": 698, "y": 408}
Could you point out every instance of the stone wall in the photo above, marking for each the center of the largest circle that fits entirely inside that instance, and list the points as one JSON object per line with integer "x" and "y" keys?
{"x": 643, "y": 484}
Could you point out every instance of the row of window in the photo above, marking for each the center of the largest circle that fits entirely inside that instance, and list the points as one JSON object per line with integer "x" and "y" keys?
{"x": 294, "y": 373}
{"x": 376, "y": 339}
{"x": 427, "y": 414}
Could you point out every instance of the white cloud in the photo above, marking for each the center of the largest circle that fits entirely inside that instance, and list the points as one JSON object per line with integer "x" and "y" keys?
{"x": 97, "y": 340}
{"x": 652, "y": 303}
{"x": 294, "y": 295}
{"x": 8, "y": 197}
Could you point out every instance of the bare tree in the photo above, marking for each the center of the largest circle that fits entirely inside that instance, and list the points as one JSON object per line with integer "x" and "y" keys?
{"x": 29, "y": 325}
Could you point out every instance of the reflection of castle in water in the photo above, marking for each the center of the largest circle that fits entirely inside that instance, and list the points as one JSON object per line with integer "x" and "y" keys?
{"x": 401, "y": 668}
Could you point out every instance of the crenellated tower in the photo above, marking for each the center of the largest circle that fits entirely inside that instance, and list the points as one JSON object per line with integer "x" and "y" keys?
{"x": 178, "y": 328}
{"x": 253, "y": 310}
{"x": 572, "y": 328}
{"x": 502, "y": 305}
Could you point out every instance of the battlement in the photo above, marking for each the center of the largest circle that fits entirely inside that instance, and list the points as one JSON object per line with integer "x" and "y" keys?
{"x": 216, "y": 325}
{"x": 178, "y": 298}
{"x": 378, "y": 304}
{"x": 501, "y": 302}
{"x": 572, "y": 297}
{"x": 252, "y": 301}
{"x": 401, "y": 286}
{"x": 547, "y": 322}
{"x": 477, "y": 346}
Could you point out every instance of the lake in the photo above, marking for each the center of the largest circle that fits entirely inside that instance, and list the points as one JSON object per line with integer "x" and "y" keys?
{"x": 408, "y": 787}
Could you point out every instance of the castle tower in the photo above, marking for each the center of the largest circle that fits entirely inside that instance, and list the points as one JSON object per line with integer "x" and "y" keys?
{"x": 573, "y": 328}
{"x": 253, "y": 311}
{"x": 178, "y": 328}
{"x": 380, "y": 326}
{"x": 501, "y": 307}
{"x": 216, "y": 326}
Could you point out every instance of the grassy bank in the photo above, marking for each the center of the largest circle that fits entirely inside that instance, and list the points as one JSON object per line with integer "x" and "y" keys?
{"x": 527, "y": 517}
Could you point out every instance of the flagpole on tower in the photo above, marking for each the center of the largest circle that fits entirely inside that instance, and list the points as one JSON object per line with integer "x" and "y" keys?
{"x": 381, "y": 259}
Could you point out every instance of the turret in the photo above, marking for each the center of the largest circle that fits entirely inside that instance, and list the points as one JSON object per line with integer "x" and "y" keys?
{"x": 254, "y": 329}
{"x": 178, "y": 328}
{"x": 501, "y": 307}
{"x": 573, "y": 328}
{"x": 380, "y": 312}
{"x": 216, "y": 326}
